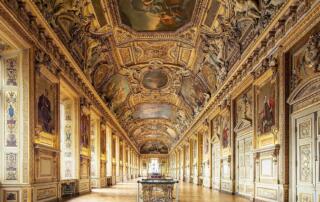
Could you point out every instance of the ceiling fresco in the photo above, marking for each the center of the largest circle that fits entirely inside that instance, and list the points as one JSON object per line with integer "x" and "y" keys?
{"x": 157, "y": 63}
{"x": 155, "y": 15}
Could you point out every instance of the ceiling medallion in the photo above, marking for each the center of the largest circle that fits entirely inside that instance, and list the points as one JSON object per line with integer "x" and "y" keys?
{"x": 155, "y": 79}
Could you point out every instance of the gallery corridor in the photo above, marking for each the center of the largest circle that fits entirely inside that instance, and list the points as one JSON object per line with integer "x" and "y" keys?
{"x": 127, "y": 192}
{"x": 223, "y": 95}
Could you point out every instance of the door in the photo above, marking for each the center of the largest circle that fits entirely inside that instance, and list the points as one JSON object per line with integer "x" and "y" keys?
{"x": 244, "y": 165}
{"x": 307, "y": 152}
{"x": 216, "y": 166}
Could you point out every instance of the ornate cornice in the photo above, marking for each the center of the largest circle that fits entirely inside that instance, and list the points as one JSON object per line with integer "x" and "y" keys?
{"x": 36, "y": 29}
{"x": 279, "y": 31}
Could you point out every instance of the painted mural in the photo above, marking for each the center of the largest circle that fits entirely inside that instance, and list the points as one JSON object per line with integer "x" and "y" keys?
{"x": 156, "y": 15}
{"x": 11, "y": 71}
{"x": 154, "y": 148}
{"x": 148, "y": 111}
{"x": 116, "y": 90}
{"x": 46, "y": 96}
{"x": 11, "y": 119}
{"x": 266, "y": 104}
{"x": 155, "y": 79}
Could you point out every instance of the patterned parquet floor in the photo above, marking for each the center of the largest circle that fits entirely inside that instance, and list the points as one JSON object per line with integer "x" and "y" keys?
{"x": 127, "y": 192}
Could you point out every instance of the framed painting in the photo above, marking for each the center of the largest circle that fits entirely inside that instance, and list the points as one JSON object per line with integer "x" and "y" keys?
{"x": 85, "y": 130}
{"x": 46, "y": 108}
{"x": 266, "y": 108}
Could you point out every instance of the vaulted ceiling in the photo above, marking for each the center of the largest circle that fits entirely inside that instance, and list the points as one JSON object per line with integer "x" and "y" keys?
{"x": 156, "y": 63}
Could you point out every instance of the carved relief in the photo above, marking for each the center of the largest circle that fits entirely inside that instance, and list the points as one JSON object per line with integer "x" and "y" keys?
{"x": 306, "y": 173}
{"x": 306, "y": 61}
{"x": 11, "y": 162}
{"x": 305, "y": 130}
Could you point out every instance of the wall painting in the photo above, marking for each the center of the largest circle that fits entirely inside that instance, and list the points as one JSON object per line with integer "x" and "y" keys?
{"x": 46, "y": 98}
{"x": 266, "y": 107}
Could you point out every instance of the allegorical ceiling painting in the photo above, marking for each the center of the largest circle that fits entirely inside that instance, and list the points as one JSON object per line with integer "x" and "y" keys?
{"x": 153, "y": 148}
{"x": 156, "y": 63}
{"x": 155, "y": 79}
{"x": 156, "y": 15}
{"x": 151, "y": 110}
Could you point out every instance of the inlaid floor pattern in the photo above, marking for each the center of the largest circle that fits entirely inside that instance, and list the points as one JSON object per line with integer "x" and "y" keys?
{"x": 127, "y": 192}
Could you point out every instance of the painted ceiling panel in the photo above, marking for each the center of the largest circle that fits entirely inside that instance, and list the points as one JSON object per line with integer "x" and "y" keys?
{"x": 156, "y": 63}
{"x": 155, "y": 15}
{"x": 151, "y": 111}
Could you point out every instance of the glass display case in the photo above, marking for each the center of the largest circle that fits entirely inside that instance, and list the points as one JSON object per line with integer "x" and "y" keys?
{"x": 158, "y": 190}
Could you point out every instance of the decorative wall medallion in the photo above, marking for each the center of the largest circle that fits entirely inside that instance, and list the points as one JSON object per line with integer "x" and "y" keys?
{"x": 11, "y": 119}
{"x": 155, "y": 79}
{"x": 11, "y": 71}
{"x": 11, "y": 166}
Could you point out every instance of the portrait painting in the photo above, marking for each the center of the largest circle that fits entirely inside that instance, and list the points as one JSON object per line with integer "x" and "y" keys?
{"x": 225, "y": 131}
{"x": 266, "y": 106}
{"x": 84, "y": 129}
{"x": 156, "y": 15}
{"x": 103, "y": 145}
{"x": 46, "y": 98}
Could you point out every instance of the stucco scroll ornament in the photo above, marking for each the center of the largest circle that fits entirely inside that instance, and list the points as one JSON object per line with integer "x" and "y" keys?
{"x": 213, "y": 50}
{"x": 182, "y": 120}
{"x": 269, "y": 7}
{"x": 133, "y": 76}
{"x": 246, "y": 10}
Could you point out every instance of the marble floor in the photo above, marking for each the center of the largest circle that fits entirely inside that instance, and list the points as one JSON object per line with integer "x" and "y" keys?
{"x": 126, "y": 192}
